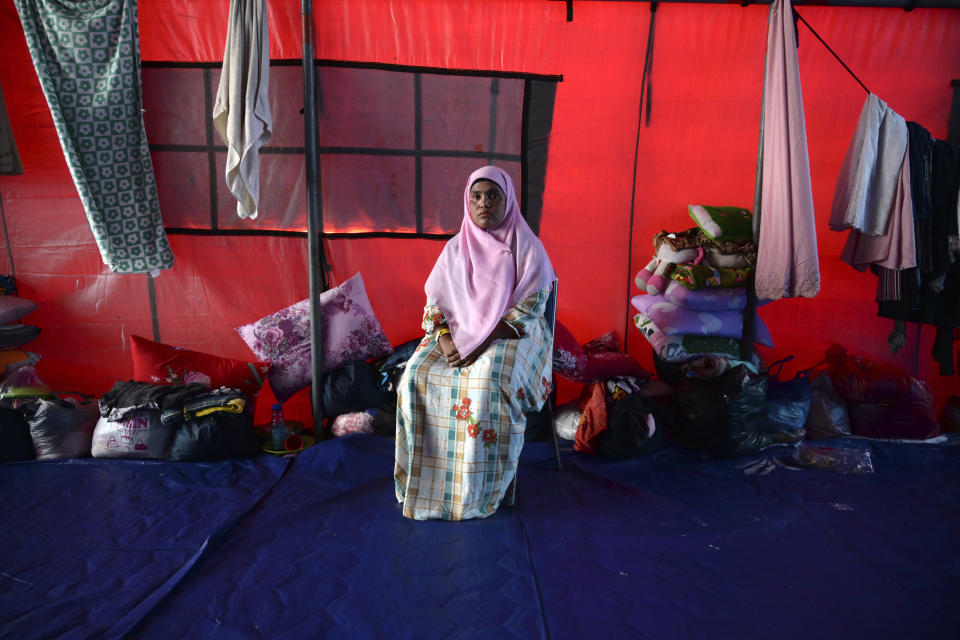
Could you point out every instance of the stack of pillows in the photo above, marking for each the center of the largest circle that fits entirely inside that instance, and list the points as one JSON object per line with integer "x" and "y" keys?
{"x": 13, "y": 333}
{"x": 696, "y": 290}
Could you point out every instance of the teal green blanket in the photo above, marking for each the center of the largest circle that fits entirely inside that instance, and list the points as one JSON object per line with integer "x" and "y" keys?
{"x": 87, "y": 56}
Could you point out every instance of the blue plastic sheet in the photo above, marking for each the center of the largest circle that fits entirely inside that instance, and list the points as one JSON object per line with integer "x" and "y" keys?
{"x": 675, "y": 545}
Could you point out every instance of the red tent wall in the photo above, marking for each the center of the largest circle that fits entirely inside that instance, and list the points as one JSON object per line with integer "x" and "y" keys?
{"x": 700, "y": 147}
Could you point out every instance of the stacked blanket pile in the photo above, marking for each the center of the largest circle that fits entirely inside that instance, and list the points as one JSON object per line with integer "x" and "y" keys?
{"x": 692, "y": 311}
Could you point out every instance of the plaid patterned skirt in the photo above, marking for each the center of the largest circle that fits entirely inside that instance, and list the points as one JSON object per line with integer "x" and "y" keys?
{"x": 460, "y": 430}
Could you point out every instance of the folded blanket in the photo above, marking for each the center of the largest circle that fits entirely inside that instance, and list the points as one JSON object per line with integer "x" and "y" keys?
{"x": 128, "y": 396}
{"x": 681, "y": 348}
{"x": 715, "y": 299}
{"x": 723, "y": 223}
{"x": 701, "y": 276}
{"x": 673, "y": 319}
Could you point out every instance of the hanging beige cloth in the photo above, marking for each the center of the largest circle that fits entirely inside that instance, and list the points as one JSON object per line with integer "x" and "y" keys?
{"x": 787, "y": 261}
{"x": 241, "y": 111}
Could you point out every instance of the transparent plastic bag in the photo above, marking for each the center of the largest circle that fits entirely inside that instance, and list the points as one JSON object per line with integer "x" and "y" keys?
{"x": 23, "y": 386}
{"x": 846, "y": 459}
{"x": 828, "y": 417}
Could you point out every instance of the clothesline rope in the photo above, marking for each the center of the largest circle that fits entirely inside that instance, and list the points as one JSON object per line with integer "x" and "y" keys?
{"x": 800, "y": 17}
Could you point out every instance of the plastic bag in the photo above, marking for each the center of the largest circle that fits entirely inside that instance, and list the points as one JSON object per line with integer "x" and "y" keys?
{"x": 858, "y": 379}
{"x": 788, "y": 404}
{"x": 722, "y": 415}
{"x": 828, "y": 417}
{"x": 15, "y": 442}
{"x": 566, "y": 418}
{"x": 950, "y": 416}
{"x": 839, "y": 459}
{"x": 216, "y": 436}
{"x": 23, "y": 386}
{"x": 61, "y": 428}
{"x": 138, "y": 434}
{"x": 631, "y": 428}
{"x": 883, "y": 401}
{"x": 353, "y": 386}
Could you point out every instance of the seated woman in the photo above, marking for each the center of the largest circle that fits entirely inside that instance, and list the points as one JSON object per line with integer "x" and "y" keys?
{"x": 485, "y": 361}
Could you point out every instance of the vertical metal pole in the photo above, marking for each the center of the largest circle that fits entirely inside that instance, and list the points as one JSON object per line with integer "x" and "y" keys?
{"x": 318, "y": 263}
{"x": 750, "y": 311}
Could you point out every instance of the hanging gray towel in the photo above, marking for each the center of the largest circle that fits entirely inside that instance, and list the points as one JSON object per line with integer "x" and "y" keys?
{"x": 241, "y": 111}
{"x": 87, "y": 57}
{"x": 867, "y": 185}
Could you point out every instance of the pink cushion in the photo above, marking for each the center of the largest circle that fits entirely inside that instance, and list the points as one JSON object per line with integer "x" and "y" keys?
{"x": 350, "y": 331}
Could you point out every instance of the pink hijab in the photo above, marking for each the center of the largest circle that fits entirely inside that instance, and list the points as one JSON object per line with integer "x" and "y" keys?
{"x": 480, "y": 274}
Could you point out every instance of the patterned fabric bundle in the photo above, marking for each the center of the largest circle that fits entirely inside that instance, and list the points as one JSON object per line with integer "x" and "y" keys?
{"x": 87, "y": 56}
{"x": 701, "y": 276}
{"x": 681, "y": 348}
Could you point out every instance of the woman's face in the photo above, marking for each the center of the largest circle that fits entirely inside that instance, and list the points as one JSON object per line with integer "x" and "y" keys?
{"x": 488, "y": 205}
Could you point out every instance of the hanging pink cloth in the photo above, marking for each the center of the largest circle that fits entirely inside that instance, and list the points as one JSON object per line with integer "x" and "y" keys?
{"x": 483, "y": 272}
{"x": 895, "y": 249}
{"x": 787, "y": 262}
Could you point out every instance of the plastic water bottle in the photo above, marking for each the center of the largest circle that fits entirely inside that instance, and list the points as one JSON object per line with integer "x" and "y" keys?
{"x": 278, "y": 428}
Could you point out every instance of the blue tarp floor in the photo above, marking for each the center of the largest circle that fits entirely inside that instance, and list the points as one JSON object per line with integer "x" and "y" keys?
{"x": 669, "y": 546}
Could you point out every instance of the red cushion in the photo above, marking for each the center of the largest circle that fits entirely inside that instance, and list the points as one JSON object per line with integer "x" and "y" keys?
{"x": 569, "y": 360}
{"x": 610, "y": 364}
{"x": 159, "y": 363}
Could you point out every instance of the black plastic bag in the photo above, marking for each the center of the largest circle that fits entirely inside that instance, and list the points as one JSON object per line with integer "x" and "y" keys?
{"x": 393, "y": 366}
{"x": 15, "y": 442}
{"x": 724, "y": 415}
{"x": 632, "y": 428}
{"x": 60, "y": 428}
{"x": 353, "y": 386}
{"x": 216, "y": 436}
{"x": 788, "y": 404}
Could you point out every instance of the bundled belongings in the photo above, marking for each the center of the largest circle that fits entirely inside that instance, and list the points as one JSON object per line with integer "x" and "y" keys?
{"x": 723, "y": 416}
{"x": 618, "y": 419}
{"x": 175, "y": 422}
{"x": 883, "y": 401}
{"x": 61, "y": 428}
{"x": 695, "y": 309}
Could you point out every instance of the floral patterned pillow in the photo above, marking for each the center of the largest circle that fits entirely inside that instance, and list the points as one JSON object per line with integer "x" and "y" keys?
{"x": 349, "y": 327}
{"x": 569, "y": 360}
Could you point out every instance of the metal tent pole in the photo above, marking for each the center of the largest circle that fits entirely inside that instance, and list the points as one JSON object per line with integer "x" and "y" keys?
{"x": 318, "y": 261}
{"x": 750, "y": 311}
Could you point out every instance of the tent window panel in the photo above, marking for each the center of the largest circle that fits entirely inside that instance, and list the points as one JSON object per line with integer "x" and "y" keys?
{"x": 395, "y": 145}
{"x": 286, "y": 100}
{"x": 183, "y": 188}
{"x": 366, "y": 108}
{"x": 362, "y": 193}
{"x": 285, "y": 96}
{"x": 472, "y": 113}
{"x": 283, "y": 195}
{"x": 173, "y": 102}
